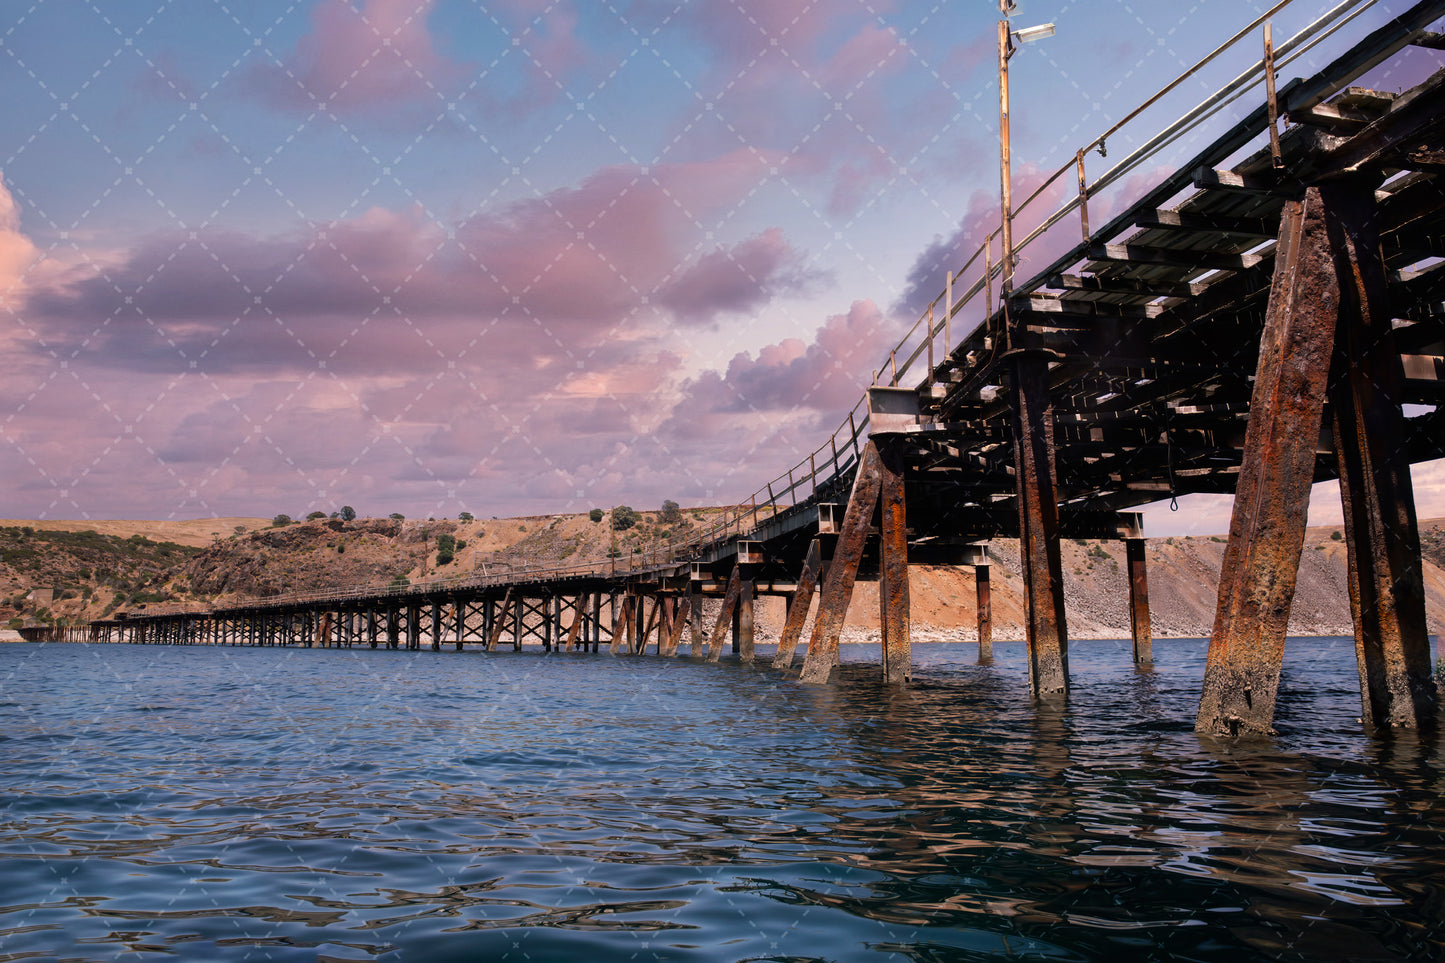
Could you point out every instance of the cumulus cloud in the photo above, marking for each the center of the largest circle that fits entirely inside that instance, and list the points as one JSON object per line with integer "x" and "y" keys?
{"x": 379, "y": 56}
{"x": 545, "y": 280}
{"x": 17, "y": 253}
{"x": 738, "y": 279}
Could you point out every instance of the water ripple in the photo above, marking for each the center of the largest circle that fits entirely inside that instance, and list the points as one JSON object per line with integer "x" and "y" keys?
{"x": 240, "y": 804}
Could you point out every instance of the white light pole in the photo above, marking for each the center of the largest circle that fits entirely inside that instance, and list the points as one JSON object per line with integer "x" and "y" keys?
{"x": 1006, "y": 47}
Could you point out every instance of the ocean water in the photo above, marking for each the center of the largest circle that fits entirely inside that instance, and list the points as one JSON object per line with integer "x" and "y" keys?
{"x": 199, "y": 803}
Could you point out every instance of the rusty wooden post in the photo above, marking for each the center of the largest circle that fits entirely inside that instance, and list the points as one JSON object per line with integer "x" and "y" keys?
{"x": 436, "y": 625}
{"x": 519, "y": 621}
{"x": 392, "y": 629}
{"x": 743, "y": 625}
{"x": 893, "y": 600}
{"x": 621, "y": 622}
{"x": 678, "y": 622}
{"x": 459, "y": 616}
{"x": 646, "y": 625}
{"x": 1139, "y": 600}
{"x": 1266, "y": 533}
{"x": 843, "y": 570}
{"x": 1386, "y": 578}
{"x": 984, "y": 594}
{"x": 413, "y": 626}
{"x": 798, "y": 608}
{"x": 694, "y": 620}
{"x": 551, "y": 618}
{"x": 1037, "y": 484}
{"x": 579, "y": 614}
{"x": 724, "y": 615}
{"x": 498, "y": 618}
{"x": 323, "y": 633}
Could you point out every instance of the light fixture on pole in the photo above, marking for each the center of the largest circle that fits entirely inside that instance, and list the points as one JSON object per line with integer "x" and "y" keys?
{"x": 1007, "y": 38}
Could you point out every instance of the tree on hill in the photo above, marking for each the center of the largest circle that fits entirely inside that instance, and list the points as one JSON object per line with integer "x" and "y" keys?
{"x": 315, "y": 515}
{"x": 446, "y": 549}
{"x": 671, "y": 513}
{"x": 281, "y": 521}
{"x": 398, "y": 516}
{"x": 466, "y": 517}
{"x": 623, "y": 518}
{"x": 348, "y": 514}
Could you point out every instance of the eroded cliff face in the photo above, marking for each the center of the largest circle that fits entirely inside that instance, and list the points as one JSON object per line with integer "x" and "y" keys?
{"x": 331, "y": 554}
{"x": 1183, "y": 585}
{"x": 311, "y": 556}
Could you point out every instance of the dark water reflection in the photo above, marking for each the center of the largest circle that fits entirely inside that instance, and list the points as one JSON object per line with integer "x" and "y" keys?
{"x": 240, "y": 804}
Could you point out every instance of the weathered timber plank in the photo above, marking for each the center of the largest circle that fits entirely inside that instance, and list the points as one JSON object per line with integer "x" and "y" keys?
{"x": 725, "y": 615}
{"x": 1386, "y": 579}
{"x": 798, "y": 610}
{"x": 1037, "y": 490}
{"x": 893, "y": 598}
{"x": 843, "y": 571}
{"x": 1266, "y": 535}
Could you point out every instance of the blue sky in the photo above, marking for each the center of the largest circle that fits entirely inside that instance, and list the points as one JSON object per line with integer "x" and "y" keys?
{"x": 514, "y": 257}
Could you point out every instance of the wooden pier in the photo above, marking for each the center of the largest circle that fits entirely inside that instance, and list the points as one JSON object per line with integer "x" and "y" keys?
{"x": 1268, "y": 316}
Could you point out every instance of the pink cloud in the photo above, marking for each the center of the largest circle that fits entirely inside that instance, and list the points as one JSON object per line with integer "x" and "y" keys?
{"x": 737, "y": 279}
{"x": 824, "y": 377}
{"x": 17, "y": 253}
{"x": 928, "y": 276}
{"x": 871, "y": 50}
{"x": 817, "y": 84}
{"x": 382, "y": 55}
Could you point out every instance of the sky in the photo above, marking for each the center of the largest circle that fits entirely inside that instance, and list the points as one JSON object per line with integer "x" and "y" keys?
{"x": 519, "y": 256}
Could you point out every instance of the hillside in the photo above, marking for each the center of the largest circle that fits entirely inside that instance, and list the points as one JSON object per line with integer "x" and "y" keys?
{"x": 128, "y": 566}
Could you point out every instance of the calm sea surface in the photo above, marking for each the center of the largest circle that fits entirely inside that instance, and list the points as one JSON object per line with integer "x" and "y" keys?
{"x": 275, "y": 804}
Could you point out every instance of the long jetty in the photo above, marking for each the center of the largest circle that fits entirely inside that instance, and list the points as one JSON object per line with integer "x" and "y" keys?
{"x": 1267, "y": 316}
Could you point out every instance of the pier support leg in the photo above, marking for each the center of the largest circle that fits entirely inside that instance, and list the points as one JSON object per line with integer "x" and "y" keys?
{"x": 1139, "y": 600}
{"x": 843, "y": 570}
{"x": 983, "y": 592}
{"x": 1387, "y": 587}
{"x": 893, "y": 601}
{"x": 1037, "y": 481}
{"x": 519, "y": 621}
{"x": 725, "y": 614}
{"x": 694, "y": 618}
{"x": 579, "y": 615}
{"x": 621, "y": 624}
{"x": 676, "y": 622}
{"x": 497, "y": 620}
{"x": 743, "y": 626}
{"x": 1266, "y": 533}
{"x": 798, "y": 608}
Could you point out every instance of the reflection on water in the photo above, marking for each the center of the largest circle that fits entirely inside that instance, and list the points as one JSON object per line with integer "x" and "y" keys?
{"x": 239, "y": 804}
